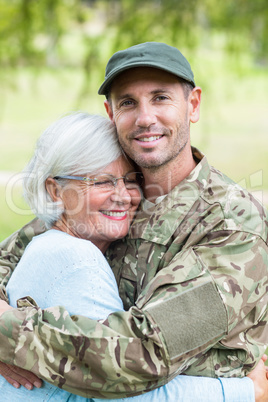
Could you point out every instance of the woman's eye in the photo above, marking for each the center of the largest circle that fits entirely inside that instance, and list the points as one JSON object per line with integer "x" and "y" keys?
{"x": 131, "y": 183}
{"x": 103, "y": 183}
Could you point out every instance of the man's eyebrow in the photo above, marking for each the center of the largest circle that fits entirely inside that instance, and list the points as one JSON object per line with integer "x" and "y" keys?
{"x": 160, "y": 91}
{"x": 124, "y": 96}
{"x": 154, "y": 92}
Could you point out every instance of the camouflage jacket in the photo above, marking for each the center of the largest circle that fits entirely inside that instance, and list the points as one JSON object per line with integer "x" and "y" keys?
{"x": 193, "y": 275}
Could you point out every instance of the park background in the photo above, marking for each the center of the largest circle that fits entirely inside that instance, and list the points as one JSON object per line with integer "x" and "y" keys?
{"x": 53, "y": 55}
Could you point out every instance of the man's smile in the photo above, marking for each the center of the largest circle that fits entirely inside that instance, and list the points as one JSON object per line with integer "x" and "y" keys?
{"x": 149, "y": 139}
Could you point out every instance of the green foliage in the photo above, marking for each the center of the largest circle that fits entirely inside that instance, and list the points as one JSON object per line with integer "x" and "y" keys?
{"x": 32, "y": 31}
{"x": 72, "y": 33}
{"x": 184, "y": 23}
{"x": 244, "y": 22}
{"x": 138, "y": 21}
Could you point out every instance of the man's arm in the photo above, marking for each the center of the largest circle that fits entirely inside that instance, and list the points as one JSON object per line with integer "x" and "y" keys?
{"x": 182, "y": 387}
{"x": 133, "y": 347}
{"x": 228, "y": 389}
{"x": 12, "y": 248}
{"x": 8, "y": 262}
{"x": 130, "y": 351}
{"x": 194, "y": 388}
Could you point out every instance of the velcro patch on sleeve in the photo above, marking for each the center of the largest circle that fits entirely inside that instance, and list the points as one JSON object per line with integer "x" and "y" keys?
{"x": 190, "y": 319}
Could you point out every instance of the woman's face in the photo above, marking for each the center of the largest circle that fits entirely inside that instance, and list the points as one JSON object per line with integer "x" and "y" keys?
{"x": 98, "y": 214}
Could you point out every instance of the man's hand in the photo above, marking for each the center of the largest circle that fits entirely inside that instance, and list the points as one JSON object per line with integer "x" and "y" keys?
{"x": 17, "y": 376}
{"x": 4, "y": 307}
{"x": 259, "y": 376}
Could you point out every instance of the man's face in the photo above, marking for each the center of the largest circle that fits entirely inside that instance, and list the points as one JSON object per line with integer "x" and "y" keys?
{"x": 151, "y": 114}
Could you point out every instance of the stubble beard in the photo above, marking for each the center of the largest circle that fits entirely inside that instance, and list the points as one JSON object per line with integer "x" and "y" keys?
{"x": 162, "y": 158}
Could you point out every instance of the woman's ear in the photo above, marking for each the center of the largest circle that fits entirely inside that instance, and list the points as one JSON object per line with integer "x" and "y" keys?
{"x": 53, "y": 189}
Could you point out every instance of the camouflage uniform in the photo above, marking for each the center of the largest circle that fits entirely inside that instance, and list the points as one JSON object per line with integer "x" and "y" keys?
{"x": 193, "y": 274}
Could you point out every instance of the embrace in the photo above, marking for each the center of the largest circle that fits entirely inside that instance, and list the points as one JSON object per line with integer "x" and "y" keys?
{"x": 145, "y": 261}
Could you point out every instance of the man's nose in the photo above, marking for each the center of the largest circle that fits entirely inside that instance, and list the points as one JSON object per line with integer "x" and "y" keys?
{"x": 145, "y": 115}
{"x": 120, "y": 193}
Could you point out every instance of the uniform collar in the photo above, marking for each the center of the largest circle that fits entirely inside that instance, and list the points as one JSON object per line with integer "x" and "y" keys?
{"x": 158, "y": 222}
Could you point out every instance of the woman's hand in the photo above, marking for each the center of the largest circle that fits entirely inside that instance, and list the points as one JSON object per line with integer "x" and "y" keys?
{"x": 17, "y": 376}
{"x": 4, "y": 307}
{"x": 259, "y": 376}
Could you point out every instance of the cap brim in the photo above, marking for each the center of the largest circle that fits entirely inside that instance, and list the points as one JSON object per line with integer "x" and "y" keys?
{"x": 103, "y": 89}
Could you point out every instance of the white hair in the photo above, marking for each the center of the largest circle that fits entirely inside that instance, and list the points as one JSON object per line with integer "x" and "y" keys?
{"x": 76, "y": 144}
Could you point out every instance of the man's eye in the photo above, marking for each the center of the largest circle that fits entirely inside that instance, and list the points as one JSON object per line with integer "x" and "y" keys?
{"x": 161, "y": 97}
{"x": 126, "y": 103}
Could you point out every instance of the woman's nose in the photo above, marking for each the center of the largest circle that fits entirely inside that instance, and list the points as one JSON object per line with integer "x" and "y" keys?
{"x": 121, "y": 193}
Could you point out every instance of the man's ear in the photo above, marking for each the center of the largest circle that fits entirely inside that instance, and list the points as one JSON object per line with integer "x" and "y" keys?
{"x": 109, "y": 110}
{"x": 53, "y": 189}
{"x": 194, "y": 104}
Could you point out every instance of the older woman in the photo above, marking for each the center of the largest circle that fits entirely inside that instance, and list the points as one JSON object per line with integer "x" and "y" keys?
{"x": 86, "y": 191}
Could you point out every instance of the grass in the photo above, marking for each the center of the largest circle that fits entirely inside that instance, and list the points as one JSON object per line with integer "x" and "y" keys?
{"x": 232, "y": 130}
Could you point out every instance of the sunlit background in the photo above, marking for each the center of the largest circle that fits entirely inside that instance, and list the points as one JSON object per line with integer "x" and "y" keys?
{"x": 52, "y": 60}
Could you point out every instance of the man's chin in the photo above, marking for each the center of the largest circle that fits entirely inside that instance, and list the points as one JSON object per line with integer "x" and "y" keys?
{"x": 149, "y": 162}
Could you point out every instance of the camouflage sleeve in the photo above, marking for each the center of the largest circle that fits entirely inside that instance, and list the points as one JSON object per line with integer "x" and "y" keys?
{"x": 12, "y": 248}
{"x": 237, "y": 264}
{"x": 181, "y": 321}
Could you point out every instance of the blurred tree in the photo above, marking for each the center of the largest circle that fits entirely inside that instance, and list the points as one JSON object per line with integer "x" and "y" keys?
{"x": 31, "y": 30}
{"x": 135, "y": 21}
{"x": 244, "y": 23}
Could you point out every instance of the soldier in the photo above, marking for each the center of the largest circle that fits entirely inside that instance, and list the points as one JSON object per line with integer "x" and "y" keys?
{"x": 192, "y": 272}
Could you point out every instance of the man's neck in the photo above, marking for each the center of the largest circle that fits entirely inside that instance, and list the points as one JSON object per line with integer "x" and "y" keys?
{"x": 161, "y": 181}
